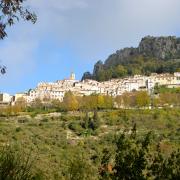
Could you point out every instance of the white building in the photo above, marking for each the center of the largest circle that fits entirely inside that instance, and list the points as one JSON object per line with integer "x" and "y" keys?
{"x": 5, "y": 98}
{"x": 46, "y": 94}
{"x": 113, "y": 87}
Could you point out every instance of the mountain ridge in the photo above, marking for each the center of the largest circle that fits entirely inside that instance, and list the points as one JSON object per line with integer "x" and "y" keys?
{"x": 154, "y": 54}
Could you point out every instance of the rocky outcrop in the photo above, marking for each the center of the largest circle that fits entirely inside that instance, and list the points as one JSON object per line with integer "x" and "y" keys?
{"x": 120, "y": 56}
{"x": 160, "y": 48}
{"x": 98, "y": 67}
{"x": 87, "y": 75}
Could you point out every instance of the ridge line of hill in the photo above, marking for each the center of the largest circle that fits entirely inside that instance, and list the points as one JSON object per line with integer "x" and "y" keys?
{"x": 153, "y": 55}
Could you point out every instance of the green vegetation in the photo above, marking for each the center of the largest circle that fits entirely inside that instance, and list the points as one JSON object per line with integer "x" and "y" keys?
{"x": 95, "y": 144}
{"x": 136, "y": 65}
{"x": 164, "y": 89}
{"x": 15, "y": 165}
{"x": 91, "y": 137}
{"x": 153, "y": 55}
{"x": 161, "y": 97}
{"x": 134, "y": 160}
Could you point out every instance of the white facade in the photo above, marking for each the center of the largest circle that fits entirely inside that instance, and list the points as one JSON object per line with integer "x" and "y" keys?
{"x": 46, "y": 94}
{"x": 114, "y": 87}
{"x": 5, "y": 98}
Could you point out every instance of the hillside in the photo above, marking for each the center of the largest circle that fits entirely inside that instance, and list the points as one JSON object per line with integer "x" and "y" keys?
{"x": 154, "y": 54}
{"x": 60, "y": 141}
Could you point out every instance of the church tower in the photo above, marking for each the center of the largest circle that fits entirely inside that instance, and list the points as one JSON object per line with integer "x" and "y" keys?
{"x": 73, "y": 76}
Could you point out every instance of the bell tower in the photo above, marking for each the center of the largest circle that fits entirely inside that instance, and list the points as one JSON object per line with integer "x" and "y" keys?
{"x": 72, "y": 76}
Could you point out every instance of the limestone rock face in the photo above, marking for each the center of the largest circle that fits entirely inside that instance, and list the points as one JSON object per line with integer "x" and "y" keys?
{"x": 156, "y": 47}
{"x": 87, "y": 75}
{"x": 120, "y": 56}
{"x": 160, "y": 47}
{"x": 98, "y": 67}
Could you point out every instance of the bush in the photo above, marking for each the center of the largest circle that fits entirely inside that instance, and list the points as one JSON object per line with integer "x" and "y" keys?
{"x": 80, "y": 167}
{"x": 18, "y": 129}
{"x": 14, "y": 165}
{"x": 135, "y": 160}
{"x": 76, "y": 127}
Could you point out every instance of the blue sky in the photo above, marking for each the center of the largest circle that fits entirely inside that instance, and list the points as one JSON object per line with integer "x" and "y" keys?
{"x": 71, "y": 35}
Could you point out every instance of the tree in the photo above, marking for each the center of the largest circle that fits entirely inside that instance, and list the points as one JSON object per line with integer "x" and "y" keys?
{"x": 79, "y": 167}
{"x": 2, "y": 69}
{"x": 11, "y": 11}
{"x": 70, "y": 102}
{"x": 100, "y": 101}
{"x": 128, "y": 100}
{"x": 89, "y": 103}
{"x": 165, "y": 168}
{"x": 142, "y": 99}
{"x": 134, "y": 159}
{"x": 56, "y": 104}
{"x": 130, "y": 158}
{"x": 120, "y": 71}
{"x": 108, "y": 102}
{"x": 105, "y": 170}
{"x": 101, "y": 76}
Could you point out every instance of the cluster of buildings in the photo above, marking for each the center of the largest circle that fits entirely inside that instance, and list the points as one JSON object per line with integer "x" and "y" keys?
{"x": 113, "y": 87}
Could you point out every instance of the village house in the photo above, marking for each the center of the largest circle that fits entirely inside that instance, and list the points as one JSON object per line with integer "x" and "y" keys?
{"x": 5, "y": 98}
{"x": 114, "y": 87}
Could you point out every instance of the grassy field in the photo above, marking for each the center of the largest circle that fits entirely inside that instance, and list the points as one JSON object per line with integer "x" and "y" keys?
{"x": 55, "y": 140}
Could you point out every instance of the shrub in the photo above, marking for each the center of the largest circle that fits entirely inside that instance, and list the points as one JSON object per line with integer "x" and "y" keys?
{"x": 134, "y": 160}
{"x": 76, "y": 127}
{"x": 18, "y": 129}
{"x": 14, "y": 165}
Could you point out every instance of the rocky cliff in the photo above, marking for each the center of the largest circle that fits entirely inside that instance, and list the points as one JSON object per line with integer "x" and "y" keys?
{"x": 154, "y": 54}
{"x": 160, "y": 47}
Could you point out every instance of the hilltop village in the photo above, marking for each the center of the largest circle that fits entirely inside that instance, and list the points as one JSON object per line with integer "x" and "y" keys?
{"x": 113, "y": 87}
